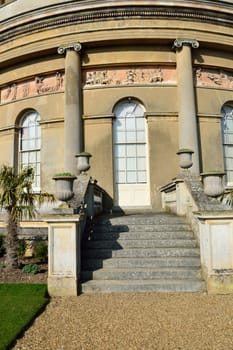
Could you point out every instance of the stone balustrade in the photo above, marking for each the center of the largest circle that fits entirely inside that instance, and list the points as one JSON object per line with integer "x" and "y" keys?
{"x": 65, "y": 230}
{"x": 212, "y": 224}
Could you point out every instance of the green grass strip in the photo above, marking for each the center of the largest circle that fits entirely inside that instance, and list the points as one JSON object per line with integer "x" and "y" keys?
{"x": 19, "y": 304}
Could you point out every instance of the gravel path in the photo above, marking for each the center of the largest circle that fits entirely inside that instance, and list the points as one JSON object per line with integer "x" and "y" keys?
{"x": 133, "y": 322}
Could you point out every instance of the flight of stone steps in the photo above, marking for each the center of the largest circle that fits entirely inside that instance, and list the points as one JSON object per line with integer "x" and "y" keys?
{"x": 149, "y": 252}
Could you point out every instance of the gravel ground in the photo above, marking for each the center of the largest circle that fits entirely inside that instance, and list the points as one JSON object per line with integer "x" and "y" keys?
{"x": 133, "y": 322}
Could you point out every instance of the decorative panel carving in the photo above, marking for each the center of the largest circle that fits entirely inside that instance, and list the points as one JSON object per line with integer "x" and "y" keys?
{"x": 28, "y": 88}
{"x": 214, "y": 78}
{"x": 156, "y": 75}
{"x": 129, "y": 76}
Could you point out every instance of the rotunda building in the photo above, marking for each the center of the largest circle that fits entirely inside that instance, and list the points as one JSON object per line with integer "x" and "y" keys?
{"x": 131, "y": 82}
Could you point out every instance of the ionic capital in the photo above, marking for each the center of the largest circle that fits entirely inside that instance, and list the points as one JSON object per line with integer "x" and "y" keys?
{"x": 75, "y": 47}
{"x": 178, "y": 43}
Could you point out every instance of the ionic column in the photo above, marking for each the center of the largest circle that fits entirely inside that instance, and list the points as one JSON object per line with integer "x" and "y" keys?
{"x": 188, "y": 137}
{"x": 73, "y": 133}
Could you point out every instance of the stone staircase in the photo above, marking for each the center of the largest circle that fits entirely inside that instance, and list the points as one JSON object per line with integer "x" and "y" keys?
{"x": 149, "y": 252}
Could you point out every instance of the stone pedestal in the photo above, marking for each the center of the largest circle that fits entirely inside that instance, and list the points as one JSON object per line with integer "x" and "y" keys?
{"x": 64, "y": 236}
{"x": 216, "y": 245}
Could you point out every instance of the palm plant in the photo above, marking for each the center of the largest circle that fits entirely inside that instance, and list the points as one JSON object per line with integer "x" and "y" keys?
{"x": 227, "y": 197}
{"x": 18, "y": 200}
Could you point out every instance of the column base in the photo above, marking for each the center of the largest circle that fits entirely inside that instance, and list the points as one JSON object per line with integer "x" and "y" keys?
{"x": 62, "y": 286}
{"x": 220, "y": 284}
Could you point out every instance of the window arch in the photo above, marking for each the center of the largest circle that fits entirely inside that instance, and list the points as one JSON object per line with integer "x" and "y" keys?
{"x": 129, "y": 136}
{"x": 227, "y": 137}
{"x": 30, "y": 144}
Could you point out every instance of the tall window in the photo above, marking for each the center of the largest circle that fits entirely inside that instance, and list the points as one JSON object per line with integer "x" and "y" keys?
{"x": 130, "y": 143}
{"x": 227, "y": 136}
{"x": 30, "y": 145}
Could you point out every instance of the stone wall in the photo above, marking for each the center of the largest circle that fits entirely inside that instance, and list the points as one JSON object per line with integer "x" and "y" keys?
{"x": 129, "y": 54}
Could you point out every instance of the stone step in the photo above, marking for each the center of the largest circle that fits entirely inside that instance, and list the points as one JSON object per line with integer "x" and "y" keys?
{"x": 95, "y": 236}
{"x": 112, "y": 286}
{"x": 141, "y": 219}
{"x": 93, "y": 264}
{"x": 141, "y": 273}
{"x": 140, "y": 243}
{"x": 142, "y": 227}
{"x": 141, "y": 253}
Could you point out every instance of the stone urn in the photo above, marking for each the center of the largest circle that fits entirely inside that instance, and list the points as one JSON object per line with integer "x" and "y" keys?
{"x": 83, "y": 161}
{"x": 213, "y": 183}
{"x": 185, "y": 158}
{"x": 64, "y": 186}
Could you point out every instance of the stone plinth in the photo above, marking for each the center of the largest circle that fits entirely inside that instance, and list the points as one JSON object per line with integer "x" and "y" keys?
{"x": 64, "y": 235}
{"x": 216, "y": 245}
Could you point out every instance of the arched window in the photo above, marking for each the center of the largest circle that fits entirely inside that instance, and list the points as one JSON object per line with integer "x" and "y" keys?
{"x": 130, "y": 154}
{"x": 130, "y": 143}
{"x": 29, "y": 145}
{"x": 227, "y": 136}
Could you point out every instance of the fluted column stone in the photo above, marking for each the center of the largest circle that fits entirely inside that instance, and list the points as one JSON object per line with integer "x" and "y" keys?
{"x": 73, "y": 130}
{"x": 188, "y": 135}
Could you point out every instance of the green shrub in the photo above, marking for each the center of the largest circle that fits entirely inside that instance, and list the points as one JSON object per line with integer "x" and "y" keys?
{"x": 41, "y": 251}
{"x": 31, "y": 268}
{"x": 2, "y": 265}
{"x": 22, "y": 246}
{"x": 2, "y": 245}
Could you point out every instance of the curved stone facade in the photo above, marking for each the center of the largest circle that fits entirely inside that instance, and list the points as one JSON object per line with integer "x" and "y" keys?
{"x": 174, "y": 60}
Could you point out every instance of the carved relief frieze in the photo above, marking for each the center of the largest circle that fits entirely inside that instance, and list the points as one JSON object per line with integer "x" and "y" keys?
{"x": 213, "y": 78}
{"x": 130, "y": 76}
{"x": 35, "y": 86}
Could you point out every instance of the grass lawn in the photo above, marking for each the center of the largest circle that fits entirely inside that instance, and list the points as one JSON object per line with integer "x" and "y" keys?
{"x": 19, "y": 304}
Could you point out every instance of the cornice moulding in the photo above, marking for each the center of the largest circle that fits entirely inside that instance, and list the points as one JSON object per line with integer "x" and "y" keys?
{"x": 23, "y": 7}
{"x": 15, "y": 21}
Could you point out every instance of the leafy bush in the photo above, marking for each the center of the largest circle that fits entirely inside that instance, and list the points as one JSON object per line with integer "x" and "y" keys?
{"x": 2, "y": 265}
{"x": 22, "y": 246}
{"x": 2, "y": 245}
{"x": 31, "y": 268}
{"x": 41, "y": 251}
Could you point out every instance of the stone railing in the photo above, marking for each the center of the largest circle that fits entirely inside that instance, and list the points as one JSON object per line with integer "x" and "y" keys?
{"x": 185, "y": 195}
{"x": 65, "y": 230}
{"x": 94, "y": 199}
{"x": 63, "y": 226}
{"x": 212, "y": 224}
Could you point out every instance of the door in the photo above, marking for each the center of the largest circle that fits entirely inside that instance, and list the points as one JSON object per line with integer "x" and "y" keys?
{"x": 130, "y": 155}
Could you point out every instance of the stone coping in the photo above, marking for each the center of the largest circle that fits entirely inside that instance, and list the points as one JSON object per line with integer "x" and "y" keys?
{"x": 28, "y": 224}
{"x": 171, "y": 186}
{"x": 213, "y": 173}
{"x": 215, "y": 215}
{"x": 64, "y": 218}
